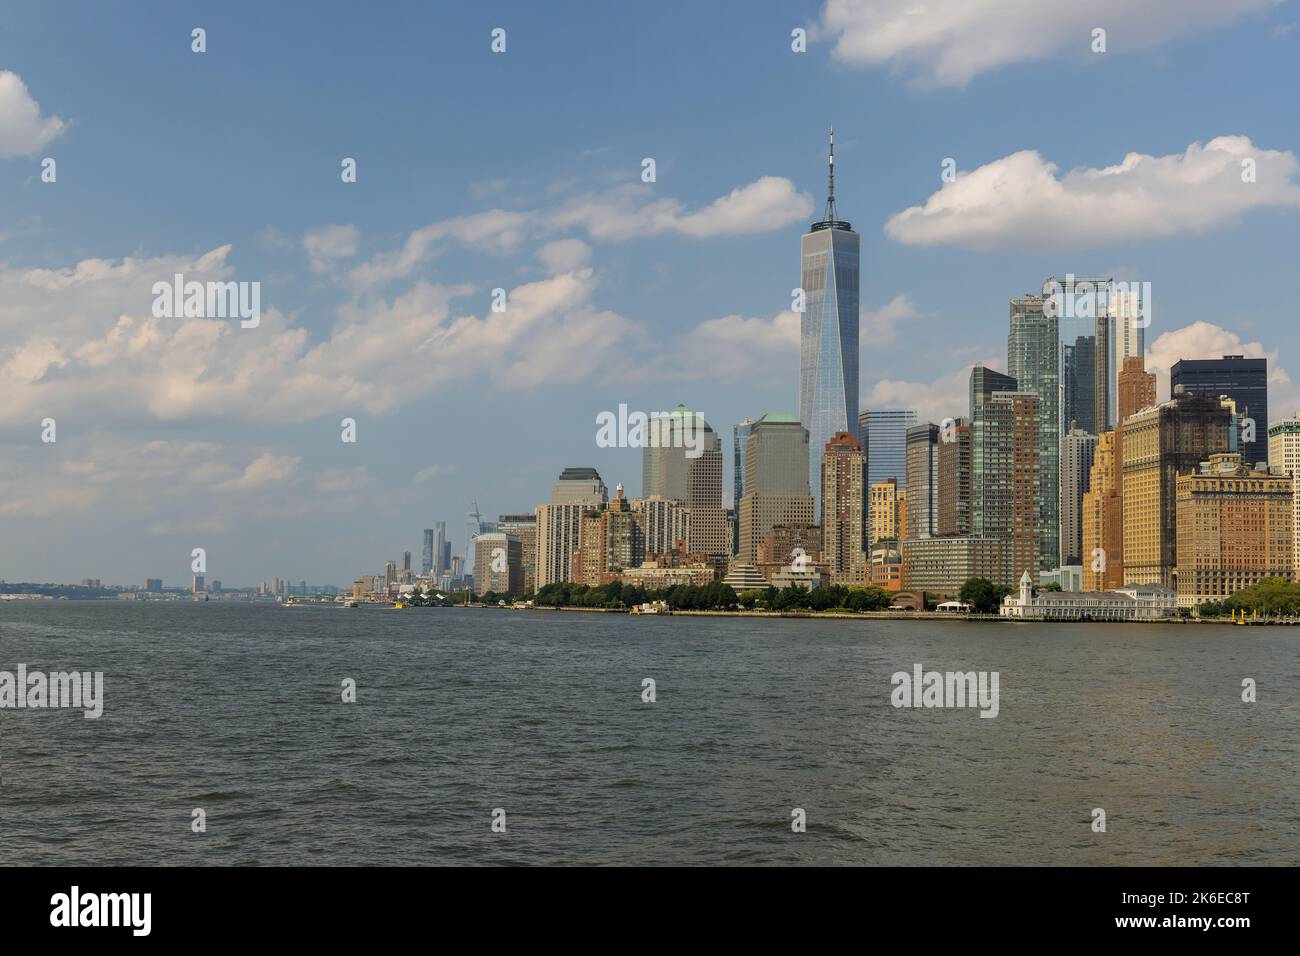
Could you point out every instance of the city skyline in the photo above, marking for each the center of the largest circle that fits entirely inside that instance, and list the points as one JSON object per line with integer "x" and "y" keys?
{"x": 179, "y": 434}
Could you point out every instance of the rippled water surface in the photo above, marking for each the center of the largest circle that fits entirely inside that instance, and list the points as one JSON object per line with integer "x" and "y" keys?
{"x": 237, "y": 710}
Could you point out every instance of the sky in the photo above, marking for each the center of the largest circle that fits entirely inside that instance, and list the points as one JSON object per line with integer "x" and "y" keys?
{"x": 522, "y": 170}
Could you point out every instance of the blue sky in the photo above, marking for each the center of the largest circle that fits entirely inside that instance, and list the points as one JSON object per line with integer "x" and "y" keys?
{"x": 521, "y": 170}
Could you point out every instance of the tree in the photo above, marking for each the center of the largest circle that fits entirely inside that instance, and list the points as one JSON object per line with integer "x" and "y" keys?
{"x": 983, "y": 595}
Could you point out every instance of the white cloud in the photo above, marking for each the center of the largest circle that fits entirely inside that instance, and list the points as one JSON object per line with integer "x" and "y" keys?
{"x": 947, "y": 42}
{"x": 564, "y": 255}
{"x": 879, "y": 327}
{"x": 737, "y": 349}
{"x": 23, "y": 130}
{"x": 624, "y": 212}
{"x": 329, "y": 243}
{"x": 268, "y": 469}
{"x": 432, "y": 472}
{"x": 1019, "y": 201}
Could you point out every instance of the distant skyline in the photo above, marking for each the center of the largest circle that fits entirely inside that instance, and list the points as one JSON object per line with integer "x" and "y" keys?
{"x": 520, "y": 171}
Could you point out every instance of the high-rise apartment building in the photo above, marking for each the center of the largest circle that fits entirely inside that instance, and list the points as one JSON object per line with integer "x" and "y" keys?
{"x": 828, "y": 328}
{"x": 776, "y": 482}
{"x": 844, "y": 475}
{"x": 559, "y": 522}
{"x": 922, "y": 481}
{"x": 1033, "y": 360}
{"x": 1077, "y": 449}
{"x": 954, "y": 482}
{"x": 1006, "y": 485}
{"x": 666, "y": 523}
{"x": 1236, "y": 527}
{"x": 1245, "y": 381}
{"x": 441, "y": 548}
{"x": 885, "y": 510}
{"x": 1136, "y": 388}
{"x": 611, "y": 540}
{"x": 1159, "y": 444}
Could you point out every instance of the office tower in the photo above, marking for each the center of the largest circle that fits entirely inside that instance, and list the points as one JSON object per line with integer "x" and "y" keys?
{"x": 1136, "y": 388}
{"x": 886, "y": 502}
{"x": 844, "y": 473}
{"x": 523, "y": 527}
{"x": 739, "y": 439}
{"x": 1078, "y": 448}
{"x": 1235, "y": 527}
{"x": 828, "y": 328}
{"x": 1103, "y": 342}
{"x": 1159, "y": 444}
{"x": 1005, "y": 480}
{"x": 498, "y": 563}
{"x": 666, "y": 523}
{"x": 1101, "y": 520}
{"x": 153, "y": 585}
{"x": 922, "y": 480}
{"x": 1033, "y": 360}
{"x": 1075, "y": 303}
{"x": 954, "y": 482}
{"x": 1245, "y": 381}
{"x": 390, "y": 573}
{"x": 441, "y": 548}
{"x": 776, "y": 482}
{"x": 611, "y": 540}
{"x": 669, "y": 472}
{"x": 216, "y": 587}
{"x": 426, "y": 555}
{"x": 197, "y": 585}
{"x": 1284, "y": 456}
{"x": 882, "y": 433}
{"x": 1128, "y": 317}
{"x": 406, "y": 560}
{"x": 559, "y": 523}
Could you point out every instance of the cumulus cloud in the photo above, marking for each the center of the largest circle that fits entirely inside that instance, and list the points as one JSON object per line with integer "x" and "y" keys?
{"x": 432, "y": 472}
{"x": 23, "y": 130}
{"x": 329, "y": 243}
{"x": 268, "y": 469}
{"x": 1020, "y": 201}
{"x": 948, "y": 42}
{"x": 879, "y": 327}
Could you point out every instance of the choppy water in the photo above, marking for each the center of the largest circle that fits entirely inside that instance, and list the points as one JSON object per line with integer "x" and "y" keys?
{"x": 237, "y": 710}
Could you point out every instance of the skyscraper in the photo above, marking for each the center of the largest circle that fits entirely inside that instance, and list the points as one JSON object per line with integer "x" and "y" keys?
{"x": 524, "y": 528}
{"x": 886, "y": 512}
{"x": 426, "y": 556}
{"x": 1283, "y": 455}
{"x": 1102, "y": 511}
{"x": 1033, "y": 360}
{"x": 441, "y": 560}
{"x": 776, "y": 482}
{"x": 559, "y": 522}
{"x": 953, "y": 485}
{"x": 1077, "y": 450}
{"x": 882, "y": 433}
{"x": 740, "y": 436}
{"x": 828, "y": 328}
{"x": 1075, "y": 302}
{"x": 672, "y": 469}
{"x": 1245, "y": 381}
{"x": 843, "y": 497}
{"x": 498, "y": 563}
{"x": 1005, "y": 477}
{"x": 922, "y": 481}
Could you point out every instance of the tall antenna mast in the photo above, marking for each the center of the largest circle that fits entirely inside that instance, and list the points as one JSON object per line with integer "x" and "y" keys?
{"x": 830, "y": 191}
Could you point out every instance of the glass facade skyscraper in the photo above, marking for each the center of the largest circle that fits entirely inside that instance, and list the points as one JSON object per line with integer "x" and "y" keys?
{"x": 1245, "y": 381}
{"x": 882, "y": 433}
{"x": 828, "y": 330}
{"x": 1034, "y": 361}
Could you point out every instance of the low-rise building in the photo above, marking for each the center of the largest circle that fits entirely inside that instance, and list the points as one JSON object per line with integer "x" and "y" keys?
{"x": 1135, "y": 602}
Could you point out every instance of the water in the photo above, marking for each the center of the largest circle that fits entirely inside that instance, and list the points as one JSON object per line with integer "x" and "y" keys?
{"x": 237, "y": 710}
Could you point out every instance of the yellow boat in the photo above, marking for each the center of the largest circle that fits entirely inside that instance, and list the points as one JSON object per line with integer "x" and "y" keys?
{"x": 399, "y": 606}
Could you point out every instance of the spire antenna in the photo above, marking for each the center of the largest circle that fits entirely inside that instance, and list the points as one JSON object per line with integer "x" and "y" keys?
{"x": 830, "y": 169}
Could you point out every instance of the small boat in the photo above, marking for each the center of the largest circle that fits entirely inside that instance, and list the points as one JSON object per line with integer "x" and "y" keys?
{"x": 350, "y": 602}
{"x": 651, "y": 607}
{"x": 400, "y": 606}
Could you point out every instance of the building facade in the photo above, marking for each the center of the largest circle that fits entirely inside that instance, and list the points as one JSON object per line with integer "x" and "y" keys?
{"x": 498, "y": 563}
{"x": 922, "y": 481}
{"x": 1236, "y": 527}
{"x": 559, "y": 523}
{"x": 1245, "y": 381}
{"x": 1101, "y": 519}
{"x": 776, "y": 482}
{"x": 1077, "y": 450}
{"x": 954, "y": 479}
{"x": 1033, "y": 360}
{"x": 843, "y": 481}
{"x": 1284, "y": 454}
{"x": 945, "y": 564}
